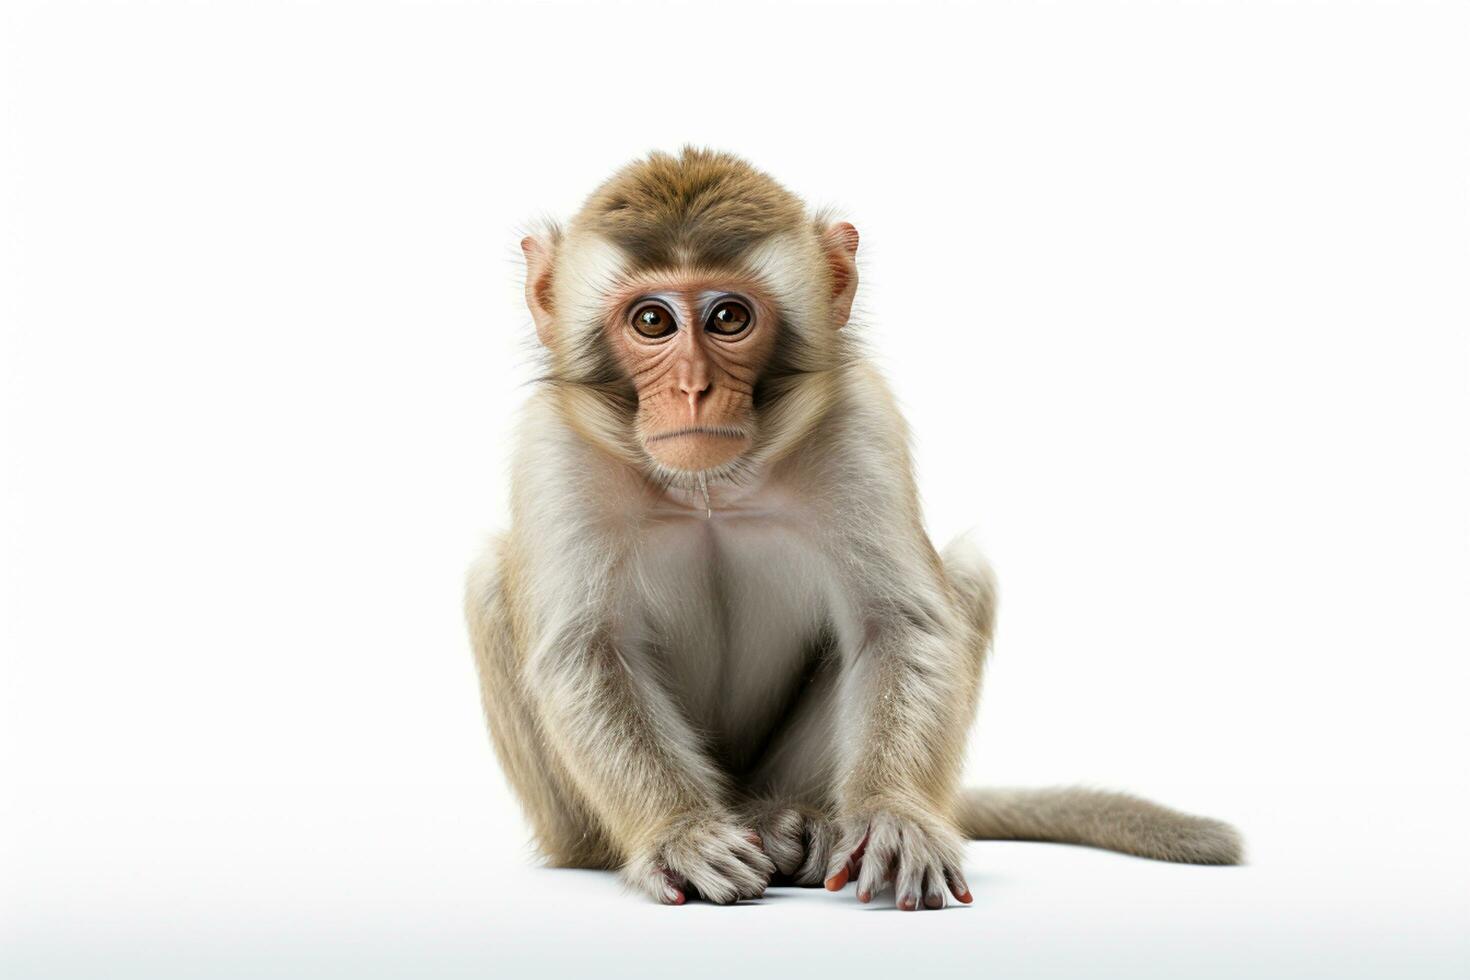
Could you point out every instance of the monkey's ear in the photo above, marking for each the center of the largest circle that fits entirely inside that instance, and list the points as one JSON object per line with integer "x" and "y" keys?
{"x": 840, "y": 243}
{"x": 538, "y": 286}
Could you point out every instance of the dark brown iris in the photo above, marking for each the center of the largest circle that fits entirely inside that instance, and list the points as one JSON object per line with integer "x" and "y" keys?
{"x": 728, "y": 318}
{"x": 653, "y": 321}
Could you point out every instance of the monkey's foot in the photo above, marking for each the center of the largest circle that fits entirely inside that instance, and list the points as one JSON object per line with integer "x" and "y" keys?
{"x": 713, "y": 859}
{"x": 919, "y": 854}
{"x": 799, "y": 839}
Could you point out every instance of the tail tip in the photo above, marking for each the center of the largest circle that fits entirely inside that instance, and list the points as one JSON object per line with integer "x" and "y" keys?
{"x": 1212, "y": 842}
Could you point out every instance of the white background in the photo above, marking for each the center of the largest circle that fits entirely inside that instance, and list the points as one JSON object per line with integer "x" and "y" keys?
{"x": 1174, "y": 296}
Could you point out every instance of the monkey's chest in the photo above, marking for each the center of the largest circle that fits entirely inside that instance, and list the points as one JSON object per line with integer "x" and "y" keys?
{"x": 731, "y": 608}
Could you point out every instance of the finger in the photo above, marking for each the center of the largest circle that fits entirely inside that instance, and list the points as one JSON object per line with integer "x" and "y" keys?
{"x": 843, "y": 868}
{"x": 666, "y": 886}
{"x": 655, "y": 880}
{"x": 712, "y": 885}
{"x": 839, "y": 869}
{"x": 933, "y": 889}
{"x": 818, "y": 842}
{"x": 908, "y": 880}
{"x": 785, "y": 852}
{"x": 762, "y": 864}
{"x": 876, "y": 872}
{"x": 957, "y": 885}
{"x": 752, "y": 855}
{"x": 855, "y": 859}
{"x": 782, "y": 842}
{"x": 748, "y": 883}
{"x": 750, "y": 875}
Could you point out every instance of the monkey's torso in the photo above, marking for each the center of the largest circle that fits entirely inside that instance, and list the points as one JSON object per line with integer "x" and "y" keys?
{"x": 734, "y": 604}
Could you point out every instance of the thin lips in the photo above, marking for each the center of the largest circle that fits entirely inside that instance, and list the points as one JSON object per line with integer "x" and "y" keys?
{"x": 701, "y": 430}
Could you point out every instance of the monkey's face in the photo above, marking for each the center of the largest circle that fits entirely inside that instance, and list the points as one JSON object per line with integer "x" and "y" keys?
{"x": 691, "y": 313}
{"x": 693, "y": 347}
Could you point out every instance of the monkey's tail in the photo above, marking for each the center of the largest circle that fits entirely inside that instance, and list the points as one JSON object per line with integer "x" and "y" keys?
{"x": 1097, "y": 818}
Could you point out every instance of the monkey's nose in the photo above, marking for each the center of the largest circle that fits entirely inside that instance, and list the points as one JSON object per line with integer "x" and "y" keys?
{"x": 694, "y": 394}
{"x": 694, "y": 383}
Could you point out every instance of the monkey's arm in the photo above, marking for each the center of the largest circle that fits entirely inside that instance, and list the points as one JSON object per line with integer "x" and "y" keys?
{"x": 911, "y": 660}
{"x": 637, "y": 760}
{"x": 905, "y": 706}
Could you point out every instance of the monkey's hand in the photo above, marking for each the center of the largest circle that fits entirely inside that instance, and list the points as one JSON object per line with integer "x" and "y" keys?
{"x": 799, "y": 839}
{"x": 918, "y": 852}
{"x": 714, "y": 858}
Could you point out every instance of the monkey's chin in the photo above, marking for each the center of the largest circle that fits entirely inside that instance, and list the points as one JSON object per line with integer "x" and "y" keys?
{"x": 696, "y": 451}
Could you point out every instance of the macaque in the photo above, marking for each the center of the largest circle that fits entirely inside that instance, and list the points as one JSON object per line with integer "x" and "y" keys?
{"x": 716, "y": 645}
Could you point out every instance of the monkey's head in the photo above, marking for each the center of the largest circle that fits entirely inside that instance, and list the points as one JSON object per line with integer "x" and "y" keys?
{"x": 691, "y": 311}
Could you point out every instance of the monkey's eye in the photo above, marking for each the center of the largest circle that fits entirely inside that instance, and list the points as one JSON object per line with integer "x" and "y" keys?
{"x": 728, "y": 318}
{"x": 652, "y": 320}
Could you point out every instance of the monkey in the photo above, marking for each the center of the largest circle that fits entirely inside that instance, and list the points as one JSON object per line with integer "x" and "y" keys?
{"x": 716, "y": 647}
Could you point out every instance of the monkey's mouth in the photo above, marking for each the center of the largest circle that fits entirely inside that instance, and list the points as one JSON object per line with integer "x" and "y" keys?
{"x": 695, "y": 449}
{"x": 719, "y": 431}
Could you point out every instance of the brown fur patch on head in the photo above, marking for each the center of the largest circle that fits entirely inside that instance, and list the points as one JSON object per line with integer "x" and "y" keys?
{"x": 701, "y": 207}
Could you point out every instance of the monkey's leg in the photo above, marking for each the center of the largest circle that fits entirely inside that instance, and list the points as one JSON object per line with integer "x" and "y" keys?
{"x": 908, "y": 697}
{"x": 567, "y": 832}
{"x": 972, "y": 583}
